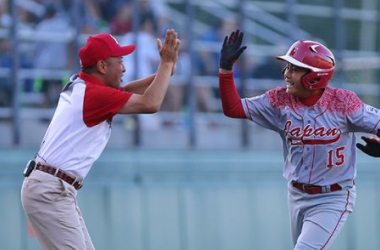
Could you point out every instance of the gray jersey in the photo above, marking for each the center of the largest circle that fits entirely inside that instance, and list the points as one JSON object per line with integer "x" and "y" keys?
{"x": 318, "y": 141}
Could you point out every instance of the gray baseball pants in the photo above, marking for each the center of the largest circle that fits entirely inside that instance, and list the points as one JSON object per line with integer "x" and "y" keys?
{"x": 318, "y": 219}
{"x": 51, "y": 207}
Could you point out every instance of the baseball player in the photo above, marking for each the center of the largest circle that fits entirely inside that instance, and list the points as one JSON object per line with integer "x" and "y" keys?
{"x": 316, "y": 124}
{"x": 80, "y": 130}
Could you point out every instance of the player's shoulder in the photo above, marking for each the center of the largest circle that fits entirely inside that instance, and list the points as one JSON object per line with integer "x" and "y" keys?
{"x": 342, "y": 100}
{"x": 342, "y": 95}
{"x": 277, "y": 90}
{"x": 100, "y": 89}
{"x": 102, "y": 94}
{"x": 278, "y": 97}
{"x": 74, "y": 82}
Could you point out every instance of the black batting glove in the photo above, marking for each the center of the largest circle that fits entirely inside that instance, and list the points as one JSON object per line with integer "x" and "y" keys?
{"x": 372, "y": 147}
{"x": 231, "y": 50}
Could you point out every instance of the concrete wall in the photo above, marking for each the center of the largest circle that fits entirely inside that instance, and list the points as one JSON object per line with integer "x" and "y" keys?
{"x": 187, "y": 200}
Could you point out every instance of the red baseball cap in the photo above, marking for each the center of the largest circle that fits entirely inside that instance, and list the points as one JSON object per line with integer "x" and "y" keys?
{"x": 100, "y": 47}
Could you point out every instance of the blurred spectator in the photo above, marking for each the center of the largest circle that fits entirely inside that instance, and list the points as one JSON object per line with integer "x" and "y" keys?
{"x": 270, "y": 67}
{"x": 93, "y": 21}
{"x": 93, "y": 12}
{"x": 122, "y": 22}
{"x": 5, "y": 85}
{"x": 26, "y": 23}
{"x": 5, "y": 65}
{"x": 147, "y": 61}
{"x": 5, "y": 18}
{"x": 146, "y": 11}
{"x": 108, "y": 9}
{"x": 147, "y": 57}
{"x": 265, "y": 70}
{"x": 52, "y": 54}
{"x": 207, "y": 64}
{"x": 174, "y": 100}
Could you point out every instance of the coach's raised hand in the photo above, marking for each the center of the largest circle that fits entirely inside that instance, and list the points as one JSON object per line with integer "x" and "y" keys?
{"x": 170, "y": 49}
{"x": 231, "y": 50}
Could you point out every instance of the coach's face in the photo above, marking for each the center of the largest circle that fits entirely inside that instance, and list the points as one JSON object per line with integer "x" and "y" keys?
{"x": 114, "y": 71}
{"x": 294, "y": 86}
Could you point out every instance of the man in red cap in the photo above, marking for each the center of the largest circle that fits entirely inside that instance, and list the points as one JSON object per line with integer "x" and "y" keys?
{"x": 79, "y": 131}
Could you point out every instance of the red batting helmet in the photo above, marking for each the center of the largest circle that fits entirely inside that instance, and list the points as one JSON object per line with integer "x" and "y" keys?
{"x": 315, "y": 57}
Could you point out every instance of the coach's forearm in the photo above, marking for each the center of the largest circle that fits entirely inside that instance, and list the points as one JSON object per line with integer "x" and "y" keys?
{"x": 155, "y": 93}
{"x": 139, "y": 86}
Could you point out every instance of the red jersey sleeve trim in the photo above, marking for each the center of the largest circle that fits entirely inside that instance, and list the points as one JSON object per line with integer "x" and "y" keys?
{"x": 102, "y": 103}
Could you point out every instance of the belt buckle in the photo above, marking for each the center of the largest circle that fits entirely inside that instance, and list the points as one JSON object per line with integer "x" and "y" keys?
{"x": 311, "y": 189}
{"x": 305, "y": 187}
{"x": 56, "y": 172}
{"x": 79, "y": 181}
{"x": 326, "y": 189}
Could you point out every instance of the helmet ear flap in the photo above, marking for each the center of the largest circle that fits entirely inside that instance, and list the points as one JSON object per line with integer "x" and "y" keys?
{"x": 314, "y": 80}
{"x": 305, "y": 79}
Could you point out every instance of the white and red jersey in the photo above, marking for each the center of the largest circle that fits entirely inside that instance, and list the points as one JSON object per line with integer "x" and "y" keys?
{"x": 81, "y": 125}
{"x": 318, "y": 141}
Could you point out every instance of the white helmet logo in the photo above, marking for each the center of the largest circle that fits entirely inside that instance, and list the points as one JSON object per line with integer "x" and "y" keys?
{"x": 313, "y": 48}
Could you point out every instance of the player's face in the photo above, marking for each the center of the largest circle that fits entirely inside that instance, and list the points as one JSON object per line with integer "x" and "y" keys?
{"x": 114, "y": 72}
{"x": 294, "y": 86}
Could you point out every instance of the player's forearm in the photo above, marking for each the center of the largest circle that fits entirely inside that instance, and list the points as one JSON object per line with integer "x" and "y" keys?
{"x": 225, "y": 71}
{"x": 229, "y": 95}
{"x": 139, "y": 86}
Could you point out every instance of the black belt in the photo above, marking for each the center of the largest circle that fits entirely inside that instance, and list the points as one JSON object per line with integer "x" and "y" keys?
{"x": 313, "y": 189}
{"x": 76, "y": 182}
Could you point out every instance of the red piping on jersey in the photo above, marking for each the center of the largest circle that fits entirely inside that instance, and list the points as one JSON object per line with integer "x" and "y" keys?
{"x": 315, "y": 121}
{"x": 249, "y": 110}
{"x": 375, "y": 126}
{"x": 292, "y": 104}
{"x": 312, "y": 164}
{"x": 341, "y": 216}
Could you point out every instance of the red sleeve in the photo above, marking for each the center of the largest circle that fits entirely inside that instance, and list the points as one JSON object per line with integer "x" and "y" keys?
{"x": 231, "y": 102}
{"x": 102, "y": 103}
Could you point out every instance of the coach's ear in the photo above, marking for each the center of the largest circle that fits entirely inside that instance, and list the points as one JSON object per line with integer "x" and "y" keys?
{"x": 101, "y": 66}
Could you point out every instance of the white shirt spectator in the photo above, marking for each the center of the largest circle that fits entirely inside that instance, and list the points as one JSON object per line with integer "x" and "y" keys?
{"x": 147, "y": 56}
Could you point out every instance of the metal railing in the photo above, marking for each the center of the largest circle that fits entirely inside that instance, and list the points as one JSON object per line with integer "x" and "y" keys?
{"x": 261, "y": 23}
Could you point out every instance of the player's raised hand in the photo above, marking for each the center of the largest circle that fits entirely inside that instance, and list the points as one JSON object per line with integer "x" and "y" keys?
{"x": 231, "y": 49}
{"x": 372, "y": 146}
